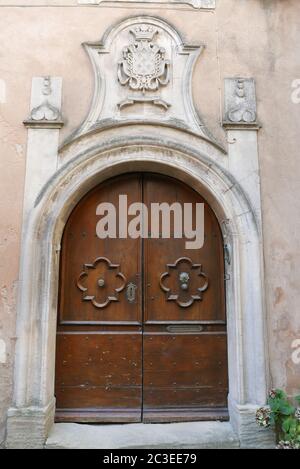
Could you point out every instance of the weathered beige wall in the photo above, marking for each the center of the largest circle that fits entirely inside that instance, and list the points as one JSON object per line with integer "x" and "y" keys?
{"x": 258, "y": 38}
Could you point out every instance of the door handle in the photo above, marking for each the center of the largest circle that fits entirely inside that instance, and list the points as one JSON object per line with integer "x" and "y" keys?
{"x": 184, "y": 280}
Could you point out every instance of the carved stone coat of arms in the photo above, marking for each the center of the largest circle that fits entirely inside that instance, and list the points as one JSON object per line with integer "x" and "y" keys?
{"x": 144, "y": 66}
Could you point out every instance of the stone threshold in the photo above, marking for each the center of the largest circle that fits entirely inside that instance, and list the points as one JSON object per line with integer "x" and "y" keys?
{"x": 188, "y": 435}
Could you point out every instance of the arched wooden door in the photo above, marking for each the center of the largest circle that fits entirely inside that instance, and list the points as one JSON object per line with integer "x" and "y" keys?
{"x": 141, "y": 333}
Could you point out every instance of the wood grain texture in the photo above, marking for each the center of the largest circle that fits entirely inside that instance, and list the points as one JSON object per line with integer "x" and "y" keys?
{"x": 149, "y": 359}
{"x": 210, "y": 257}
{"x": 80, "y": 246}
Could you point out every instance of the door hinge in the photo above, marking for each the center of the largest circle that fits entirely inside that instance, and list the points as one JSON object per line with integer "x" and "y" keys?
{"x": 227, "y": 253}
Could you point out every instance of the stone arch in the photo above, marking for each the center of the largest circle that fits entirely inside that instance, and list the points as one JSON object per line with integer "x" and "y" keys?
{"x": 83, "y": 165}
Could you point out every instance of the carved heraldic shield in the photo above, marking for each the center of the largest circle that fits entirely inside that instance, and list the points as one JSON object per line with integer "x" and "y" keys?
{"x": 144, "y": 67}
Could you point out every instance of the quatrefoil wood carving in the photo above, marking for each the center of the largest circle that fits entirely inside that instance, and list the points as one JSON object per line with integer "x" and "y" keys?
{"x": 93, "y": 282}
{"x": 185, "y": 271}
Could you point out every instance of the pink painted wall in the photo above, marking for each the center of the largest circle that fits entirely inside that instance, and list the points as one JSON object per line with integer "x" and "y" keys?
{"x": 259, "y": 38}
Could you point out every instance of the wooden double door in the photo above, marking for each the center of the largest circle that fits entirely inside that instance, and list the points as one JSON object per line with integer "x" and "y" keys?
{"x": 141, "y": 333}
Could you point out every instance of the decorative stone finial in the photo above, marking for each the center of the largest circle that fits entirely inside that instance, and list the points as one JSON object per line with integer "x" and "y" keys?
{"x": 45, "y": 103}
{"x": 240, "y": 103}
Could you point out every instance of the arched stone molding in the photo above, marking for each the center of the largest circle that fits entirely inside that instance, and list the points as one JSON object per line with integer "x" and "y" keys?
{"x": 85, "y": 163}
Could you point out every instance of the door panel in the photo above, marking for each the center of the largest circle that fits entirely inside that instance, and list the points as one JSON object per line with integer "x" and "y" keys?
{"x": 98, "y": 373}
{"x": 171, "y": 261}
{"x": 141, "y": 329}
{"x": 185, "y": 373}
{"x": 119, "y": 264}
{"x": 99, "y": 357}
{"x": 185, "y": 370}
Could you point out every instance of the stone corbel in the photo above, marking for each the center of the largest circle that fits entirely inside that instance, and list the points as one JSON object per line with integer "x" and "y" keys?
{"x": 45, "y": 108}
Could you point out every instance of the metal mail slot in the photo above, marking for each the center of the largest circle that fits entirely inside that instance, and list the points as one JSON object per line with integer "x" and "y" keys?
{"x": 185, "y": 329}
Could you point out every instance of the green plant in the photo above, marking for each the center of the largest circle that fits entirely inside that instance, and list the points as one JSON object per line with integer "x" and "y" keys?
{"x": 284, "y": 417}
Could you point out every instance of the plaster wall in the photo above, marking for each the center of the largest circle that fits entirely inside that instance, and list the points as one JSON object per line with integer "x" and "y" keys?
{"x": 255, "y": 38}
